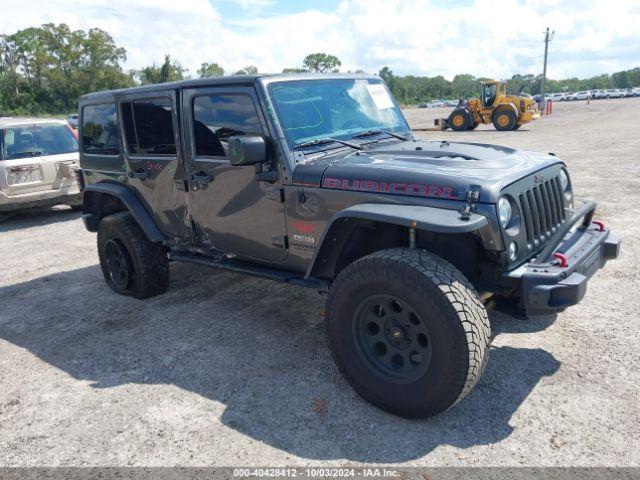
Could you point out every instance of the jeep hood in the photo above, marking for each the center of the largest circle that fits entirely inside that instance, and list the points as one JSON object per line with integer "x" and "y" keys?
{"x": 424, "y": 168}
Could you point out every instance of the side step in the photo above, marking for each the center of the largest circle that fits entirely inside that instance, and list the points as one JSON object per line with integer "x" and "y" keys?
{"x": 238, "y": 266}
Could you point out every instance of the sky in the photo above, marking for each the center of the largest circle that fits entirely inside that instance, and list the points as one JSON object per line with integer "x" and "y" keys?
{"x": 418, "y": 37}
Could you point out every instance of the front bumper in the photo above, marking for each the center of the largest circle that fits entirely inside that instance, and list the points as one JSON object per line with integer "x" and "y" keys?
{"x": 547, "y": 287}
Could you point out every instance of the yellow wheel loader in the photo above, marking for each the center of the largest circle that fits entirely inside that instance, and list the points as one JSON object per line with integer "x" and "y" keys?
{"x": 506, "y": 111}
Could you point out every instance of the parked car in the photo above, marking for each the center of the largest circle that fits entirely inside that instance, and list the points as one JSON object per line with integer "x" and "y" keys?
{"x": 600, "y": 94}
{"x": 554, "y": 96}
{"x": 629, "y": 92}
{"x": 614, "y": 93}
{"x": 435, "y": 104}
{"x": 566, "y": 96}
{"x": 72, "y": 119}
{"x": 583, "y": 95}
{"x": 636, "y": 91}
{"x": 38, "y": 159}
{"x": 317, "y": 181}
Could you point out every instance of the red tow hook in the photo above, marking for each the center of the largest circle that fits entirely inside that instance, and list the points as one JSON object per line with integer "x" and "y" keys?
{"x": 600, "y": 225}
{"x": 562, "y": 258}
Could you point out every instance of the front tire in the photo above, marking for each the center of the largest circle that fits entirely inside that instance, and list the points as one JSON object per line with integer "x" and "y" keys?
{"x": 459, "y": 120}
{"x": 130, "y": 262}
{"x": 408, "y": 331}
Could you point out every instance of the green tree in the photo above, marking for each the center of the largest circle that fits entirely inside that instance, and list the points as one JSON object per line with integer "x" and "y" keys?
{"x": 169, "y": 71}
{"x": 210, "y": 70}
{"x": 321, "y": 63}
{"x": 46, "y": 68}
{"x": 249, "y": 70}
{"x": 464, "y": 85}
{"x": 393, "y": 82}
{"x": 293, "y": 70}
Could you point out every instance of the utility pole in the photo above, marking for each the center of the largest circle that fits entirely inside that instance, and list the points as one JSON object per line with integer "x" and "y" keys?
{"x": 547, "y": 38}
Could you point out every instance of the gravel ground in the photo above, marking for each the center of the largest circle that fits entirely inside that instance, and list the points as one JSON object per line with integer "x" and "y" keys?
{"x": 232, "y": 370}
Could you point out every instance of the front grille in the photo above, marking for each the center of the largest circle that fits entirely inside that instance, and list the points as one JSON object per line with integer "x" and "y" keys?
{"x": 542, "y": 210}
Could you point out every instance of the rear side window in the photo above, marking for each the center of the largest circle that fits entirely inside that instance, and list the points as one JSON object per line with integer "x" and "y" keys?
{"x": 218, "y": 117}
{"x": 100, "y": 132}
{"x": 36, "y": 140}
{"x": 148, "y": 126}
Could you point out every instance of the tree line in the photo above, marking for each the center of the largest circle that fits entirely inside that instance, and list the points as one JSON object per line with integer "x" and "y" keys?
{"x": 43, "y": 70}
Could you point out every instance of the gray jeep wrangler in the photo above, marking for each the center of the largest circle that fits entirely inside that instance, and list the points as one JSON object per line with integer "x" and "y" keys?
{"x": 316, "y": 180}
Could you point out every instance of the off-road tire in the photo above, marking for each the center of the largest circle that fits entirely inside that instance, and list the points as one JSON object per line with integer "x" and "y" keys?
{"x": 147, "y": 261}
{"x": 458, "y": 120}
{"x": 509, "y": 121}
{"x": 442, "y": 298}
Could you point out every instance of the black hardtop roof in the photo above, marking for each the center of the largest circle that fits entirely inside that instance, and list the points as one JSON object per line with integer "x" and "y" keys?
{"x": 216, "y": 81}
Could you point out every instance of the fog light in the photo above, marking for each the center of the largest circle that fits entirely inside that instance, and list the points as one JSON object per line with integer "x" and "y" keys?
{"x": 513, "y": 251}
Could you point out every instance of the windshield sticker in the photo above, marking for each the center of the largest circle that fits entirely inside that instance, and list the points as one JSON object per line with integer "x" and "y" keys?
{"x": 380, "y": 96}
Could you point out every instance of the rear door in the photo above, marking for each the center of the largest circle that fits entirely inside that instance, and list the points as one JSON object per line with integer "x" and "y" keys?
{"x": 153, "y": 158}
{"x": 234, "y": 211}
{"x": 37, "y": 157}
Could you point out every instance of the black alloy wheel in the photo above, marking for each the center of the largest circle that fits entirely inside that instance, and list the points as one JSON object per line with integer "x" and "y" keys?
{"x": 392, "y": 339}
{"x": 118, "y": 264}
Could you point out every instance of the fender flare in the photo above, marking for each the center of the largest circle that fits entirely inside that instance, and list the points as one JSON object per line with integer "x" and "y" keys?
{"x": 130, "y": 200}
{"x": 436, "y": 220}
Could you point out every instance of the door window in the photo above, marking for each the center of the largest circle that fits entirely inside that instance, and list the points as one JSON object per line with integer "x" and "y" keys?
{"x": 148, "y": 126}
{"x": 218, "y": 117}
{"x": 100, "y": 132}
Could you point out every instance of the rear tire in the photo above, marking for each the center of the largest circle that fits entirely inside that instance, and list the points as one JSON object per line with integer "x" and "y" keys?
{"x": 408, "y": 331}
{"x": 130, "y": 262}
{"x": 504, "y": 120}
{"x": 459, "y": 120}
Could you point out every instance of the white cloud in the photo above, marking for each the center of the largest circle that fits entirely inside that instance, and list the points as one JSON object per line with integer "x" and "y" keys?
{"x": 410, "y": 36}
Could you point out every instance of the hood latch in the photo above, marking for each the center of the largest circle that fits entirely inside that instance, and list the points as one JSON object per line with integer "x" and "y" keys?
{"x": 471, "y": 197}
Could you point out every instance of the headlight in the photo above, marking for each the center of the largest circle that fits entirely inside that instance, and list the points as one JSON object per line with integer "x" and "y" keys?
{"x": 504, "y": 211}
{"x": 564, "y": 183}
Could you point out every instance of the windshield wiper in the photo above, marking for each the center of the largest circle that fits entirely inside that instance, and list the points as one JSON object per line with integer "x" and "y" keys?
{"x": 369, "y": 133}
{"x": 324, "y": 140}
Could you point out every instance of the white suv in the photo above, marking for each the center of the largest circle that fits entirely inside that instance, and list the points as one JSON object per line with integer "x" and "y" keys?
{"x": 614, "y": 93}
{"x": 582, "y": 95}
{"x": 73, "y": 120}
{"x": 38, "y": 160}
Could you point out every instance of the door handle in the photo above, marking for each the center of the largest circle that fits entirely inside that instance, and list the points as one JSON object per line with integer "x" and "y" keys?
{"x": 139, "y": 173}
{"x": 202, "y": 178}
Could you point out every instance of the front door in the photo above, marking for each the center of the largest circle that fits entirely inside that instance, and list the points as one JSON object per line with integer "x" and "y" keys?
{"x": 232, "y": 210}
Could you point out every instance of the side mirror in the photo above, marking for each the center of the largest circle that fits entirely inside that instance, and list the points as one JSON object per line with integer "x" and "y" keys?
{"x": 247, "y": 150}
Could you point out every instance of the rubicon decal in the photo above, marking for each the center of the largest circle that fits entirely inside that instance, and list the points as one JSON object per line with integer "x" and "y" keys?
{"x": 416, "y": 190}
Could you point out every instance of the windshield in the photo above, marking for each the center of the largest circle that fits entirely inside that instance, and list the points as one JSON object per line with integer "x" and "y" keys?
{"x": 336, "y": 108}
{"x": 36, "y": 140}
